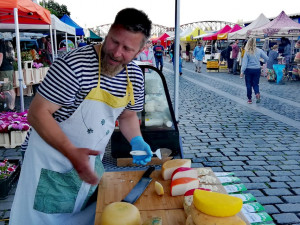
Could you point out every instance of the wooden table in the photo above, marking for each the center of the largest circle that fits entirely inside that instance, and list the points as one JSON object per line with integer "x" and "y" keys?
{"x": 114, "y": 186}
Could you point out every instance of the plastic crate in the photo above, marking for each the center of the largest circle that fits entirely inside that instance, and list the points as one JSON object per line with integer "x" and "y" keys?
{"x": 17, "y": 138}
{"x": 4, "y": 140}
{"x": 8, "y": 183}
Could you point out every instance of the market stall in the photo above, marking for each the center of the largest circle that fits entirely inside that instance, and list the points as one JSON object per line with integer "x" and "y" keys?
{"x": 224, "y": 36}
{"x": 215, "y": 35}
{"x": 22, "y": 12}
{"x": 281, "y": 26}
{"x": 191, "y": 36}
{"x": 242, "y": 33}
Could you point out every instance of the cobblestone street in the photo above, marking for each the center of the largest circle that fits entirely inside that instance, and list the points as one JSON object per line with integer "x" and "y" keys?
{"x": 260, "y": 143}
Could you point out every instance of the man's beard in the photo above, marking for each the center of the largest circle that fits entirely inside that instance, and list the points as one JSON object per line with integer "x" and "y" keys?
{"x": 107, "y": 69}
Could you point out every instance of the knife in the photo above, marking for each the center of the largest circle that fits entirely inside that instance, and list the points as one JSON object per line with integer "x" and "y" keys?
{"x": 139, "y": 188}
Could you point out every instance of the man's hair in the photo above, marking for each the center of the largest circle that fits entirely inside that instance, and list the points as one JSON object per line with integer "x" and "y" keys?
{"x": 134, "y": 20}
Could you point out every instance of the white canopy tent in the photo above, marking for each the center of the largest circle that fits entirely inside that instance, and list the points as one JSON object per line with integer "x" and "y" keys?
{"x": 242, "y": 34}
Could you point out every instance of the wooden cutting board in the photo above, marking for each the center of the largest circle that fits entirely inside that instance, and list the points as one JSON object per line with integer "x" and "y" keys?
{"x": 114, "y": 186}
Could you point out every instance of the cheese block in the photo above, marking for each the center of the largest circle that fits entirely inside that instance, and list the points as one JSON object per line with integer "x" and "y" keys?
{"x": 171, "y": 165}
{"x": 199, "y": 218}
{"x": 216, "y": 204}
{"x": 120, "y": 213}
{"x": 182, "y": 185}
{"x": 184, "y": 172}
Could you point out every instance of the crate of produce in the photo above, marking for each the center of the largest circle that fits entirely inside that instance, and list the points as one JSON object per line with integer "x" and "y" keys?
{"x": 7, "y": 183}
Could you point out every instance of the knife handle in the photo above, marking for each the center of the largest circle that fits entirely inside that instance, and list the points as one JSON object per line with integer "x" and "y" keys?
{"x": 149, "y": 171}
{"x": 138, "y": 152}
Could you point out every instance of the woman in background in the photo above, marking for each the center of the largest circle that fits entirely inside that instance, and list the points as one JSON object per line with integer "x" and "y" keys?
{"x": 147, "y": 54}
{"x": 251, "y": 68}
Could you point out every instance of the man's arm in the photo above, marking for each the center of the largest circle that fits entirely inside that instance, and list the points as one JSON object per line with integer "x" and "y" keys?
{"x": 41, "y": 119}
{"x": 129, "y": 124}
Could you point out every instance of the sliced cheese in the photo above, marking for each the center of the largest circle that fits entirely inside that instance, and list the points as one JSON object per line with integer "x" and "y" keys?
{"x": 217, "y": 204}
{"x": 184, "y": 172}
{"x": 171, "y": 165}
{"x": 159, "y": 189}
{"x": 120, "y": 213}
{"x": 182, "y": 185}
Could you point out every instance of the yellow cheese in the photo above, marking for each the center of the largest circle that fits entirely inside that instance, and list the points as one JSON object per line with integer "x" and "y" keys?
{"x": 200, "y": 218}
{"x": 217, "y": 204}
{"x": 159, "y": 189}
{"x": 120, "y": 213}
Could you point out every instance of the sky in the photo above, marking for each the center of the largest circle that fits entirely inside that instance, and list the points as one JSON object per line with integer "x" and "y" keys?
{"x": 90, "y": 13}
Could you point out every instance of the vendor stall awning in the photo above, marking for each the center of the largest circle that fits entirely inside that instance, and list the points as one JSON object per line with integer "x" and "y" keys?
{"x": 28, "y": 12}
{"x": 79, "y": 30}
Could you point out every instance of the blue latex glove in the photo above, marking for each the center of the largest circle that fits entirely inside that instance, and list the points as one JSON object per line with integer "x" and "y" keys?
{"x": 138, "y": 143}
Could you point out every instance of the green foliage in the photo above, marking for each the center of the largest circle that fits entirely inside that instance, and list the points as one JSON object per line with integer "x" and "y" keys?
{"x": 55, "y": 8}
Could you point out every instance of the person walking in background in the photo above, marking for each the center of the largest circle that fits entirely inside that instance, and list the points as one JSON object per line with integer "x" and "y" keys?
{"x": 173, "y": 58}
{"x": 198, "y": 55}
{"x": 251, "y": 68}
{"x": 229, "y": 57}
{"x": 147, "y": 54}
{"x": 7, "y": 57}
{"x": 273, "y": 55}
{"x": 242, "y": 54}
{"x": 235, "y": 52}
{"x": 158, "y": 54}
{"x": 187, "y": 51}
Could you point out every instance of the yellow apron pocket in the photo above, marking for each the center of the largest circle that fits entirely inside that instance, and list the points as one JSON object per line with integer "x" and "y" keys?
{"x": 99, "y": 169}
{"x": 57, "y": 192}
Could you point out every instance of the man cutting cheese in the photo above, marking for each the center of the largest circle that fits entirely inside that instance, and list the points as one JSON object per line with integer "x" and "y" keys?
{"x": 73, "y": 116}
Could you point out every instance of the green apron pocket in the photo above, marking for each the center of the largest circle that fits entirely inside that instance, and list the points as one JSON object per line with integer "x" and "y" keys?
{"x": 99, "y": 169}
{"x": 57, "y": 192}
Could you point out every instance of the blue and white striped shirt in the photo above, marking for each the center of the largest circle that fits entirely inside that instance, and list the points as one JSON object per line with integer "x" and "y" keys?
{"x": 72, "y": 77}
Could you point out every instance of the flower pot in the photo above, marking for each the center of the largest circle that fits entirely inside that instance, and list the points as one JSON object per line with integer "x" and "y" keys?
{"x": 8, "y": 183}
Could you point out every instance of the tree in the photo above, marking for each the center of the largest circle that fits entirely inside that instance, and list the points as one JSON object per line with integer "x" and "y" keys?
{"x": 55, "y": 8}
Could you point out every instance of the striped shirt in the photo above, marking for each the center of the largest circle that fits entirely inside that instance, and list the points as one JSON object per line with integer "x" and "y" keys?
{"x": 72, "y": 77}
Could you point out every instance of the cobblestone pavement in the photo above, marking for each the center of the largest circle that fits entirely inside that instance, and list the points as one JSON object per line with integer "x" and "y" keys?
{"x": 260, "y": 143}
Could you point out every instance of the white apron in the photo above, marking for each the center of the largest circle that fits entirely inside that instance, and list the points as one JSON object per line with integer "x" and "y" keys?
{"x": 50, "y": 191}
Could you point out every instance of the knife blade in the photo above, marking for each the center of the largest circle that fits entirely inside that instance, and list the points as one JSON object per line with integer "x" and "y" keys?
{"x": 140, "y": 187}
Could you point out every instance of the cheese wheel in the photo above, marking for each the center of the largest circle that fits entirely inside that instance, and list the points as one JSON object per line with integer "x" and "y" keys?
{"x": 120, "y": 213}
{"x": 170, "y": 166}
{"x": 200, "y": 218}
{"x": 216, "y": 204}
{"x": 189, "y": 220}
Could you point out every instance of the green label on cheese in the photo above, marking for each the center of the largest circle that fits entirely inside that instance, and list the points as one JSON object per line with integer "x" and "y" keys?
{"x": 245, "y": 197}
{"x": 234, "y": 188}
{"x": 252, "y": 207}
{"x": 223, "y": 174}
{"x": 229, "y": 180}
{"x": 257, "y": 218}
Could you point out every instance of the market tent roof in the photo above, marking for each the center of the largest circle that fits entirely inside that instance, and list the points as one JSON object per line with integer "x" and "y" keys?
{"x": 28, "y": 12}
{"x": 58, "y": 25}
{"x": 215, "y": 35}
{"x": 204, "y": 35}
{"x": 224, "y": 36}
{"x": 162, "y": 38}
{"x": 190, "y": 37}
{"x": 242, "y": 34}
{"x": 281, "y": 26}
{"x": 91, "y": 35}
{"x": 66, "y": 19}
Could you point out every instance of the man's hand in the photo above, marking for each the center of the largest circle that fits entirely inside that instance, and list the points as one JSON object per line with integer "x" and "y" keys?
{"x": 80, "y": 161}
{"x": 138, "y": 144}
